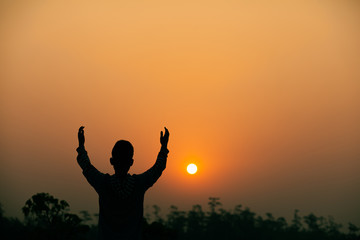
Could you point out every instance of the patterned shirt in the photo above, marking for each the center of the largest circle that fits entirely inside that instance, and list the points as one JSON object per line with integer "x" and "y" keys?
{"x": 121, "y": 201}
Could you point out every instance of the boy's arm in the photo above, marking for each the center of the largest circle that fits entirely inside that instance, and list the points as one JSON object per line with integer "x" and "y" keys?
{"x": 152, "y": 175}
{"x": 92, "y": 175}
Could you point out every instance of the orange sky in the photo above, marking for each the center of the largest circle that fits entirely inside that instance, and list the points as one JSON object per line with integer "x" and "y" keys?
{"x": 264, "y": 97}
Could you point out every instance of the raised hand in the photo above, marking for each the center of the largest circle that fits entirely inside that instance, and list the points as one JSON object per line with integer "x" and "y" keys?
{"x": 81, "y": 136}
{"x": 164, "y": 139}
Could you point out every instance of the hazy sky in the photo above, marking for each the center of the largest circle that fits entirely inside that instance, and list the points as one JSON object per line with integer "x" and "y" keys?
{"x": 263, "y": 96}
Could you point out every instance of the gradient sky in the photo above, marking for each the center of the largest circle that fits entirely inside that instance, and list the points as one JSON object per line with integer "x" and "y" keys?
{"x": 264, "y": 97}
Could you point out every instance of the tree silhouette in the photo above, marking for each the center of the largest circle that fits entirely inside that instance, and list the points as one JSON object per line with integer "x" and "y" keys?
{"x": 48, "y": 218}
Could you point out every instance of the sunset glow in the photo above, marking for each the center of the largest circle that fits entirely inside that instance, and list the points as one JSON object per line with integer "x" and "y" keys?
{"x": 268, "y": 92}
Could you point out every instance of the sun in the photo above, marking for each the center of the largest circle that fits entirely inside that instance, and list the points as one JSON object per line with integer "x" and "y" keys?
{"x": 191, "y": 168}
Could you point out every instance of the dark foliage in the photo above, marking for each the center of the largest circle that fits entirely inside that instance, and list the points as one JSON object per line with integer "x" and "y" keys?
{"x": 46, "y": 217}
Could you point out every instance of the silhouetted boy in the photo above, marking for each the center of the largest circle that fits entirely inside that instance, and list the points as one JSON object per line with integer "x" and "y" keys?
{"x": 121, "y": 195}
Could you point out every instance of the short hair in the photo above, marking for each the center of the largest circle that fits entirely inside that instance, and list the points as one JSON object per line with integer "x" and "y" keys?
{"x": 123, "y": 149}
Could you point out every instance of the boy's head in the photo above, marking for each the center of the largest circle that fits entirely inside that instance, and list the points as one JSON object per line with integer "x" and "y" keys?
{"x": 122, "y": 156}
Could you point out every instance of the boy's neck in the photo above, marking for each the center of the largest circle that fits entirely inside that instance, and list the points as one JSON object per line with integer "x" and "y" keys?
{"x": 121, "y": 174}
